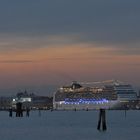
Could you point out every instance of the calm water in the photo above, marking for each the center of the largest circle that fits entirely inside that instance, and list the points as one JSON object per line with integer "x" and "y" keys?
{"x": 70, "y": 125}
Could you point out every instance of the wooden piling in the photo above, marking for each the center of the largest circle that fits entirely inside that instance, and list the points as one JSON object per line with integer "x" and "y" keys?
{"x": 99, "y": 121}
{"x": 10, "y": 112}
{"x": 39, "y": 112}
{"x": 19, "y": 111}
{"x": 125, "y": 113}
{"x": 27, "y": 112}
{"x": 102, "y": 120}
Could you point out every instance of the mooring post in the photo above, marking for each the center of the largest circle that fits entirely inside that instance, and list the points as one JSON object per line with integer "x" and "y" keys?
{"x": 125, "y": 113}
{"x": 27, "y": 112}
{"x": 99, "y": 121}
{"x": 102, "y": 119}
{"x": 39, "y": 112}
{"x": 10, "y": 112}
{"x": 19, "y": 111}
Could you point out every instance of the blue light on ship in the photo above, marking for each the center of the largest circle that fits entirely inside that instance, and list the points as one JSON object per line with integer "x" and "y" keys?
{"x": 78, "y": 101}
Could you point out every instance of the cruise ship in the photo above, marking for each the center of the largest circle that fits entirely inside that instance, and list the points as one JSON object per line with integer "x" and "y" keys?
{"x": 102, "y": 95}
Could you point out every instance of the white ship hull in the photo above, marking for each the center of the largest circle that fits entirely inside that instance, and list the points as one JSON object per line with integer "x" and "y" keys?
{"x": 108, "y": 105}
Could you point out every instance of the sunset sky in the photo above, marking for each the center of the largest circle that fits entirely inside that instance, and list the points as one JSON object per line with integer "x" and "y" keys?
{"x": 48, "y": 43}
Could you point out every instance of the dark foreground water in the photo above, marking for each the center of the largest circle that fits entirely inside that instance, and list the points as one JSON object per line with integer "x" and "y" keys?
{"x": 70, "y": 125}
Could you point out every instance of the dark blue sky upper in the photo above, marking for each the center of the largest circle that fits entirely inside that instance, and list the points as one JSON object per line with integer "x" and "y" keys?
{"x": 104, "y": 21}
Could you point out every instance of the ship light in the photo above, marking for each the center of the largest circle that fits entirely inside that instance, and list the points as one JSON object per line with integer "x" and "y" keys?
{"x": 85, "y": 101}
{"x": 61, "y": 102}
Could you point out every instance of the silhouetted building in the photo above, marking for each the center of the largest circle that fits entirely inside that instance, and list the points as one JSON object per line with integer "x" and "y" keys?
{"x": 5, "y": 102}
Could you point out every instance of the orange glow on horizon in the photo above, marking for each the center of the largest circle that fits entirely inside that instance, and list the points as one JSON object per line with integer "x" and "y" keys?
{"x": 72, "y": 62}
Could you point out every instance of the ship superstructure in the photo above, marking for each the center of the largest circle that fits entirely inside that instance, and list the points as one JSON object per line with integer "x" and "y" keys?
{"x": 108, "y": 95}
